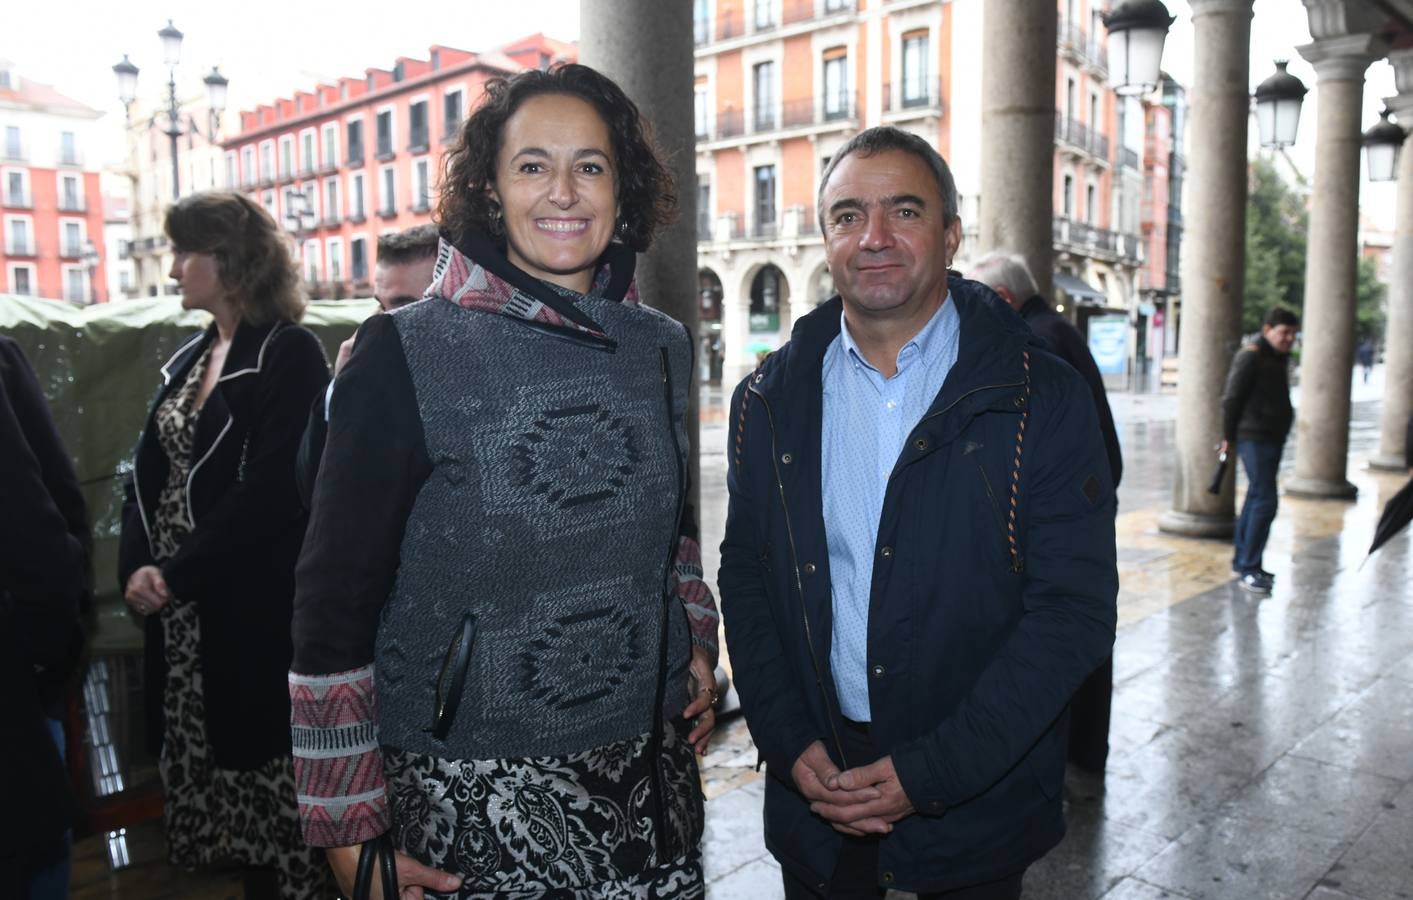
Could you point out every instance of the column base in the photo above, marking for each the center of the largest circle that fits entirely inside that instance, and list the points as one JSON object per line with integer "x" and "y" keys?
{"x": 1320, "y": 488}
{"x": 1201, "y": 525}
{"x": 1388, "y": 463}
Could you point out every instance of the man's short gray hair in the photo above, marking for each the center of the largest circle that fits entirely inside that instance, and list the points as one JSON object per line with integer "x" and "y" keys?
{"x": 1004, "y": 268}
{"x": 886, "y": 137}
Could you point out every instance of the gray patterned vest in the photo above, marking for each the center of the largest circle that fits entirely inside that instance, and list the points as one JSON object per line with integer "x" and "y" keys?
{"x": 550, "y": 515}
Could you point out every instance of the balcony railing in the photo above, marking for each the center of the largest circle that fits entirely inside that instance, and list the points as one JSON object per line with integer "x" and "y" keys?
{"x": 923, "y": 96}
{"x": 802, "y": 113}
{"x": 1068, "y": 232}
{"x": 20, "y": 247}
{"x": 70, "y": 158}
{"x": 147, "y": 245}
{"x": 1097, "y": 53}
{"x": 72, "y": 204}
{"x": 70, "y": 249}
{"x": 793, "y": 222}
{"x": 16, "y": 200}
{"x": 1070, "y": 36}
{"x": 1080, "y": 136}
{"x": 15, "y": 153}
{"x": 732, "y": 24}
{"x": 1128, "y": 158}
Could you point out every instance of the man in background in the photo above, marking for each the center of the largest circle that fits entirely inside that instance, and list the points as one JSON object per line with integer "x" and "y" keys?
{"x": 1008, "y": 275}
{"x": 1256, "y": 417}
{"x": 401, "y": 276}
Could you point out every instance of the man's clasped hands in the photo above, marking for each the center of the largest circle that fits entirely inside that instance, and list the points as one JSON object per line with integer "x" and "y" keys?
{"x": 865, "y": 800}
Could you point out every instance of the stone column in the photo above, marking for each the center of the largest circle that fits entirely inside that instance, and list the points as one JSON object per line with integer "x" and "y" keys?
{"x": 1213, "y": 259}
{"x": 1331, "y": 269}
{"x": 646, "y": 46}
{"x": 1018, "y": 132}
{"x": 1398, "y": 343}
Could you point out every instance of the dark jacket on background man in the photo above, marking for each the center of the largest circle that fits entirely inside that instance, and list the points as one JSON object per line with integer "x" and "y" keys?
{"x": 1256, "y": 401}
{"x": 1065, "y": 341}
{"x": 973, "y": 653}
{"x": 44, "y": 581}
{"x": 237, "y": 563}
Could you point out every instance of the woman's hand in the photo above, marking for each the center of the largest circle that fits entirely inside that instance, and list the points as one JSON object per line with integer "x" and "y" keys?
{"x": 146, "y": 591}
{"x": 413, "y": 878}
{"x": 701, "y": 683}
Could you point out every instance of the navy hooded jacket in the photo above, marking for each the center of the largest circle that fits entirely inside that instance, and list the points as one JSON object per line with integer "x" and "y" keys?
{"x": 976, "y": 642}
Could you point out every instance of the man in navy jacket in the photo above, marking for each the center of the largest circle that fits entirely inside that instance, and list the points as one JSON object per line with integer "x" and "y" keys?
{"x": 918, "y": 567}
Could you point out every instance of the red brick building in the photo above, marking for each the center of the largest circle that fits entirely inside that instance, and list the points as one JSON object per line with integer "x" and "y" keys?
{"x": 362, "y": 157}
{"x": 50, "y": 200}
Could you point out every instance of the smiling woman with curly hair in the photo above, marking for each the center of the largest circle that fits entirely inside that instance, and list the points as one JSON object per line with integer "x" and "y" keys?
{"x": 500, "y": 529}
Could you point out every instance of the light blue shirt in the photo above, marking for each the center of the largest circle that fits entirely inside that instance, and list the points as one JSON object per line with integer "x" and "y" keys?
{"x": 867, "y": 419}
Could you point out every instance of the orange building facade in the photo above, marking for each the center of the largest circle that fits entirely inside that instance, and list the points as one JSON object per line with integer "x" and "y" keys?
{"x": 50, "y": 202}
{"x": 343, "y": 163}
{"x": 782, "y": 84}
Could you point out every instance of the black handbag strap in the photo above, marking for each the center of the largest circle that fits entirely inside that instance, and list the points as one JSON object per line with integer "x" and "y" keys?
{"x": 377, "y": 852}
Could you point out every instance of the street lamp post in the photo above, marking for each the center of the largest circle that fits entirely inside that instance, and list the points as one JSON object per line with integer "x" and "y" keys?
{"x": 1137, "y": 30}
{"x": 299, "y": 221}
{"x": 1278, "y": 101}
{"x": 1381, "y": 146}
{"x": 90, "y": 261}
{"x": 215, "y": 82}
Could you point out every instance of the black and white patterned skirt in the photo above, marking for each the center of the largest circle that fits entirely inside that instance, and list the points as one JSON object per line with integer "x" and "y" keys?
{"x": 579, "y": 826}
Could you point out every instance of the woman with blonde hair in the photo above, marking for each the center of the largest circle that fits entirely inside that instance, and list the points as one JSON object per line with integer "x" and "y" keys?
{"x": 212, "y": 527}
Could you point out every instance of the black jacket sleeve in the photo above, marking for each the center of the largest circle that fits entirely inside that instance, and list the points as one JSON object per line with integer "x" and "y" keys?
{"x": 1069, "y": 592}
{"x": 261, "y": 505}
{"x": 1241, "y": 381}
{"x": 375, "y": 462}
{"x": 56, "y": 466}
{"x": 43, "y": 565}
{"x": 1067, "y": 343}
{"x": 771, "y": 695}
{"x": 311, "y": 451}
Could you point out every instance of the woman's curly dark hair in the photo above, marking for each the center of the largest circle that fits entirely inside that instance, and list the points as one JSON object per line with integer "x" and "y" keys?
{"x": 252, "y": 254}
{"x": 646, "y": 197}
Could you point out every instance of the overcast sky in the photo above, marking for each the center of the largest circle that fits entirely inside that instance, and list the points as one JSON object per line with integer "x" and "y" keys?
{"x": 270, "y": 48}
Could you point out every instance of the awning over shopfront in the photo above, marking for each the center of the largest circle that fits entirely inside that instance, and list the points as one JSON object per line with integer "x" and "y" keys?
{"x": 1078, "y": 290}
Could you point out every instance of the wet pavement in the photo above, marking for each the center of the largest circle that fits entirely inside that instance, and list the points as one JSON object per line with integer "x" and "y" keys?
{"x": 1261, "y": 747}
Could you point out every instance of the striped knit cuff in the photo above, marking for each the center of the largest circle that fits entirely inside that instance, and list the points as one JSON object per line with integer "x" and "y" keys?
{"x": 702, "y": 617}
{"x": 338, "y": 768}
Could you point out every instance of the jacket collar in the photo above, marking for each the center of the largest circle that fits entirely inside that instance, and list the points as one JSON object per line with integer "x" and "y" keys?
{"x": 1034, "y": 306}
{"x": 989, "y": 352}
{"x": 246, "y": 356}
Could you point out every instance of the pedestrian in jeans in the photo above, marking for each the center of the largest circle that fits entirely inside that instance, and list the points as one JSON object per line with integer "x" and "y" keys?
{"x": 1256, "y": 417}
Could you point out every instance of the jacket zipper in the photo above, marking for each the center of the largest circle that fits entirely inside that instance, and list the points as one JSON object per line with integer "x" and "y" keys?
{"x": 794, "y": 556}
{"x": 800, "y": 585}
{"x": 655, "y": 751}
{"x": 995, "y": 507}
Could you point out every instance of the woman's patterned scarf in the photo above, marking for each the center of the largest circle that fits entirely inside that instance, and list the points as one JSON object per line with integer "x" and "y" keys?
{"x": 473, "y": 285}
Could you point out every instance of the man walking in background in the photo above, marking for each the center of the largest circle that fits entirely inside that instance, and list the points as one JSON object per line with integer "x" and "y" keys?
{"x": 1008, "y": 275}
{"x": 1256, "y": 417}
